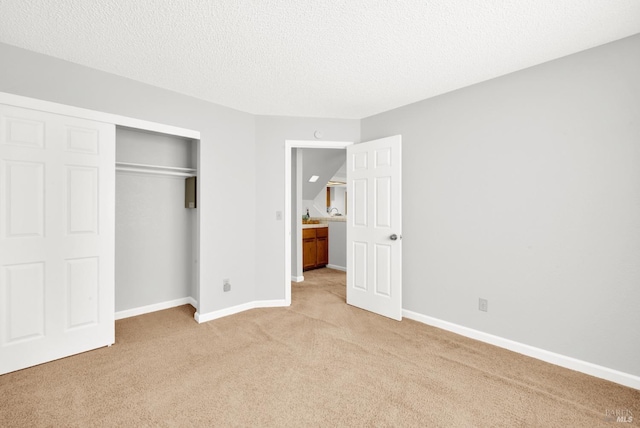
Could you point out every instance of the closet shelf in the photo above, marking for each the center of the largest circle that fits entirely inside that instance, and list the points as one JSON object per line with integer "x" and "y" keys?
{"x": 155, "y": 169}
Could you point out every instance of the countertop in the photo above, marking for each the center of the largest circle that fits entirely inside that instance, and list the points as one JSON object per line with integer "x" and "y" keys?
{"x": 314, "y": 226}
{"x": 324, "y": 221}
{"x": 336, "y": 218}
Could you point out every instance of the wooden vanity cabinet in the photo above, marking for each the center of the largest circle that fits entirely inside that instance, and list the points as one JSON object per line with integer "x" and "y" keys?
{"x": 315, "y": 248}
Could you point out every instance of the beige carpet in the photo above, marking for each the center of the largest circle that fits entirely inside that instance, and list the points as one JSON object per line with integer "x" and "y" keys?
{"x": 318, "y": 363}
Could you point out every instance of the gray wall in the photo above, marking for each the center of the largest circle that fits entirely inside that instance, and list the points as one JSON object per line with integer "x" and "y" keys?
{"x": 271, "y": 133}
{"x": 525, "y": 190}
{"x": 338, "y": 244}
{"x": 226, "y": 157}
{"x": 136, "y": 146}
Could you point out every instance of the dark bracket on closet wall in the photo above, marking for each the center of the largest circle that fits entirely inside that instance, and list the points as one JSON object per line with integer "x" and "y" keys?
{"x": 190, "y": 192}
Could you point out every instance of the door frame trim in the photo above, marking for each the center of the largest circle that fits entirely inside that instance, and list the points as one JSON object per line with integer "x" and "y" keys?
{"x": 289, "y": 145}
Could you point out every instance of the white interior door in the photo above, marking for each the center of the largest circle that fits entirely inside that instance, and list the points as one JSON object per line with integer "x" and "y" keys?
{"x": 374, "y": 226}
{"x": 57, "y": 196}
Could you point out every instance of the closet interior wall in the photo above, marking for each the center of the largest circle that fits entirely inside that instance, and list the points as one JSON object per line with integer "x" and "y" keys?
{"x": 156, "y": 236}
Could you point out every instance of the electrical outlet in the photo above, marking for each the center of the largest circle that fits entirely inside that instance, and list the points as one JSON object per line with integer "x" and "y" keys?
{"x": 226, "y": 285}
{"x": 483, "y": 305}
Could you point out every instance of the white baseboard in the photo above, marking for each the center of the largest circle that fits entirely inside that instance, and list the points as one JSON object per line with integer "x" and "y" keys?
{"x": 297, "y": 278}
{"x": 280, "y": 303}
{"x": 602, "y": 372}
{"x": 342, "y": 268}
{"x": 155, "y": 307}
{"x": 210, "y": 316}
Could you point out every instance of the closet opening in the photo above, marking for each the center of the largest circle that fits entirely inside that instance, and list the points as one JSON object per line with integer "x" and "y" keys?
{"x": 156, "y": 232}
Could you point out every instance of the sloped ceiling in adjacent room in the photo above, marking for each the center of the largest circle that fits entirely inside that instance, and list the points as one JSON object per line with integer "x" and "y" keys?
{"x": 321, "y": 162}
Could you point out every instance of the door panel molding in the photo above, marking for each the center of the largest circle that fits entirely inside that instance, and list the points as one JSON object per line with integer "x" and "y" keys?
{"x": 57, "y": 246}
{"x": 374, "y": 252}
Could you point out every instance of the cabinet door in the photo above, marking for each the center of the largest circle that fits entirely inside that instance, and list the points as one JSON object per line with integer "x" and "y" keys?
{"x": 309, "y": 253}
{"x": 322, "y": 247}
{"x": 309, "y": 250}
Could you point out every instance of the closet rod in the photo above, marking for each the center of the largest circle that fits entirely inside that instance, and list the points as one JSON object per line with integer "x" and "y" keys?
{"x": 155, "y": 169}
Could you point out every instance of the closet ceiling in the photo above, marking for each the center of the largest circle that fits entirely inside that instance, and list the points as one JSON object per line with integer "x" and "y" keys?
{"x": 341, "y": 59}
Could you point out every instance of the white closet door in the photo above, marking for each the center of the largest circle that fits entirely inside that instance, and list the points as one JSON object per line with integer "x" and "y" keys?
{"x": 57, "y": 196}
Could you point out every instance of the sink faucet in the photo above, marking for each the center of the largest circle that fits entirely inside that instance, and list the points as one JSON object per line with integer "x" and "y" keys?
{"x": 331, "y": 211}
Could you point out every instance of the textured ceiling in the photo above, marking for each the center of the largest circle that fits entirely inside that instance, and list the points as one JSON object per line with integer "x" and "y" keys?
{"x": 346, "y": 59}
